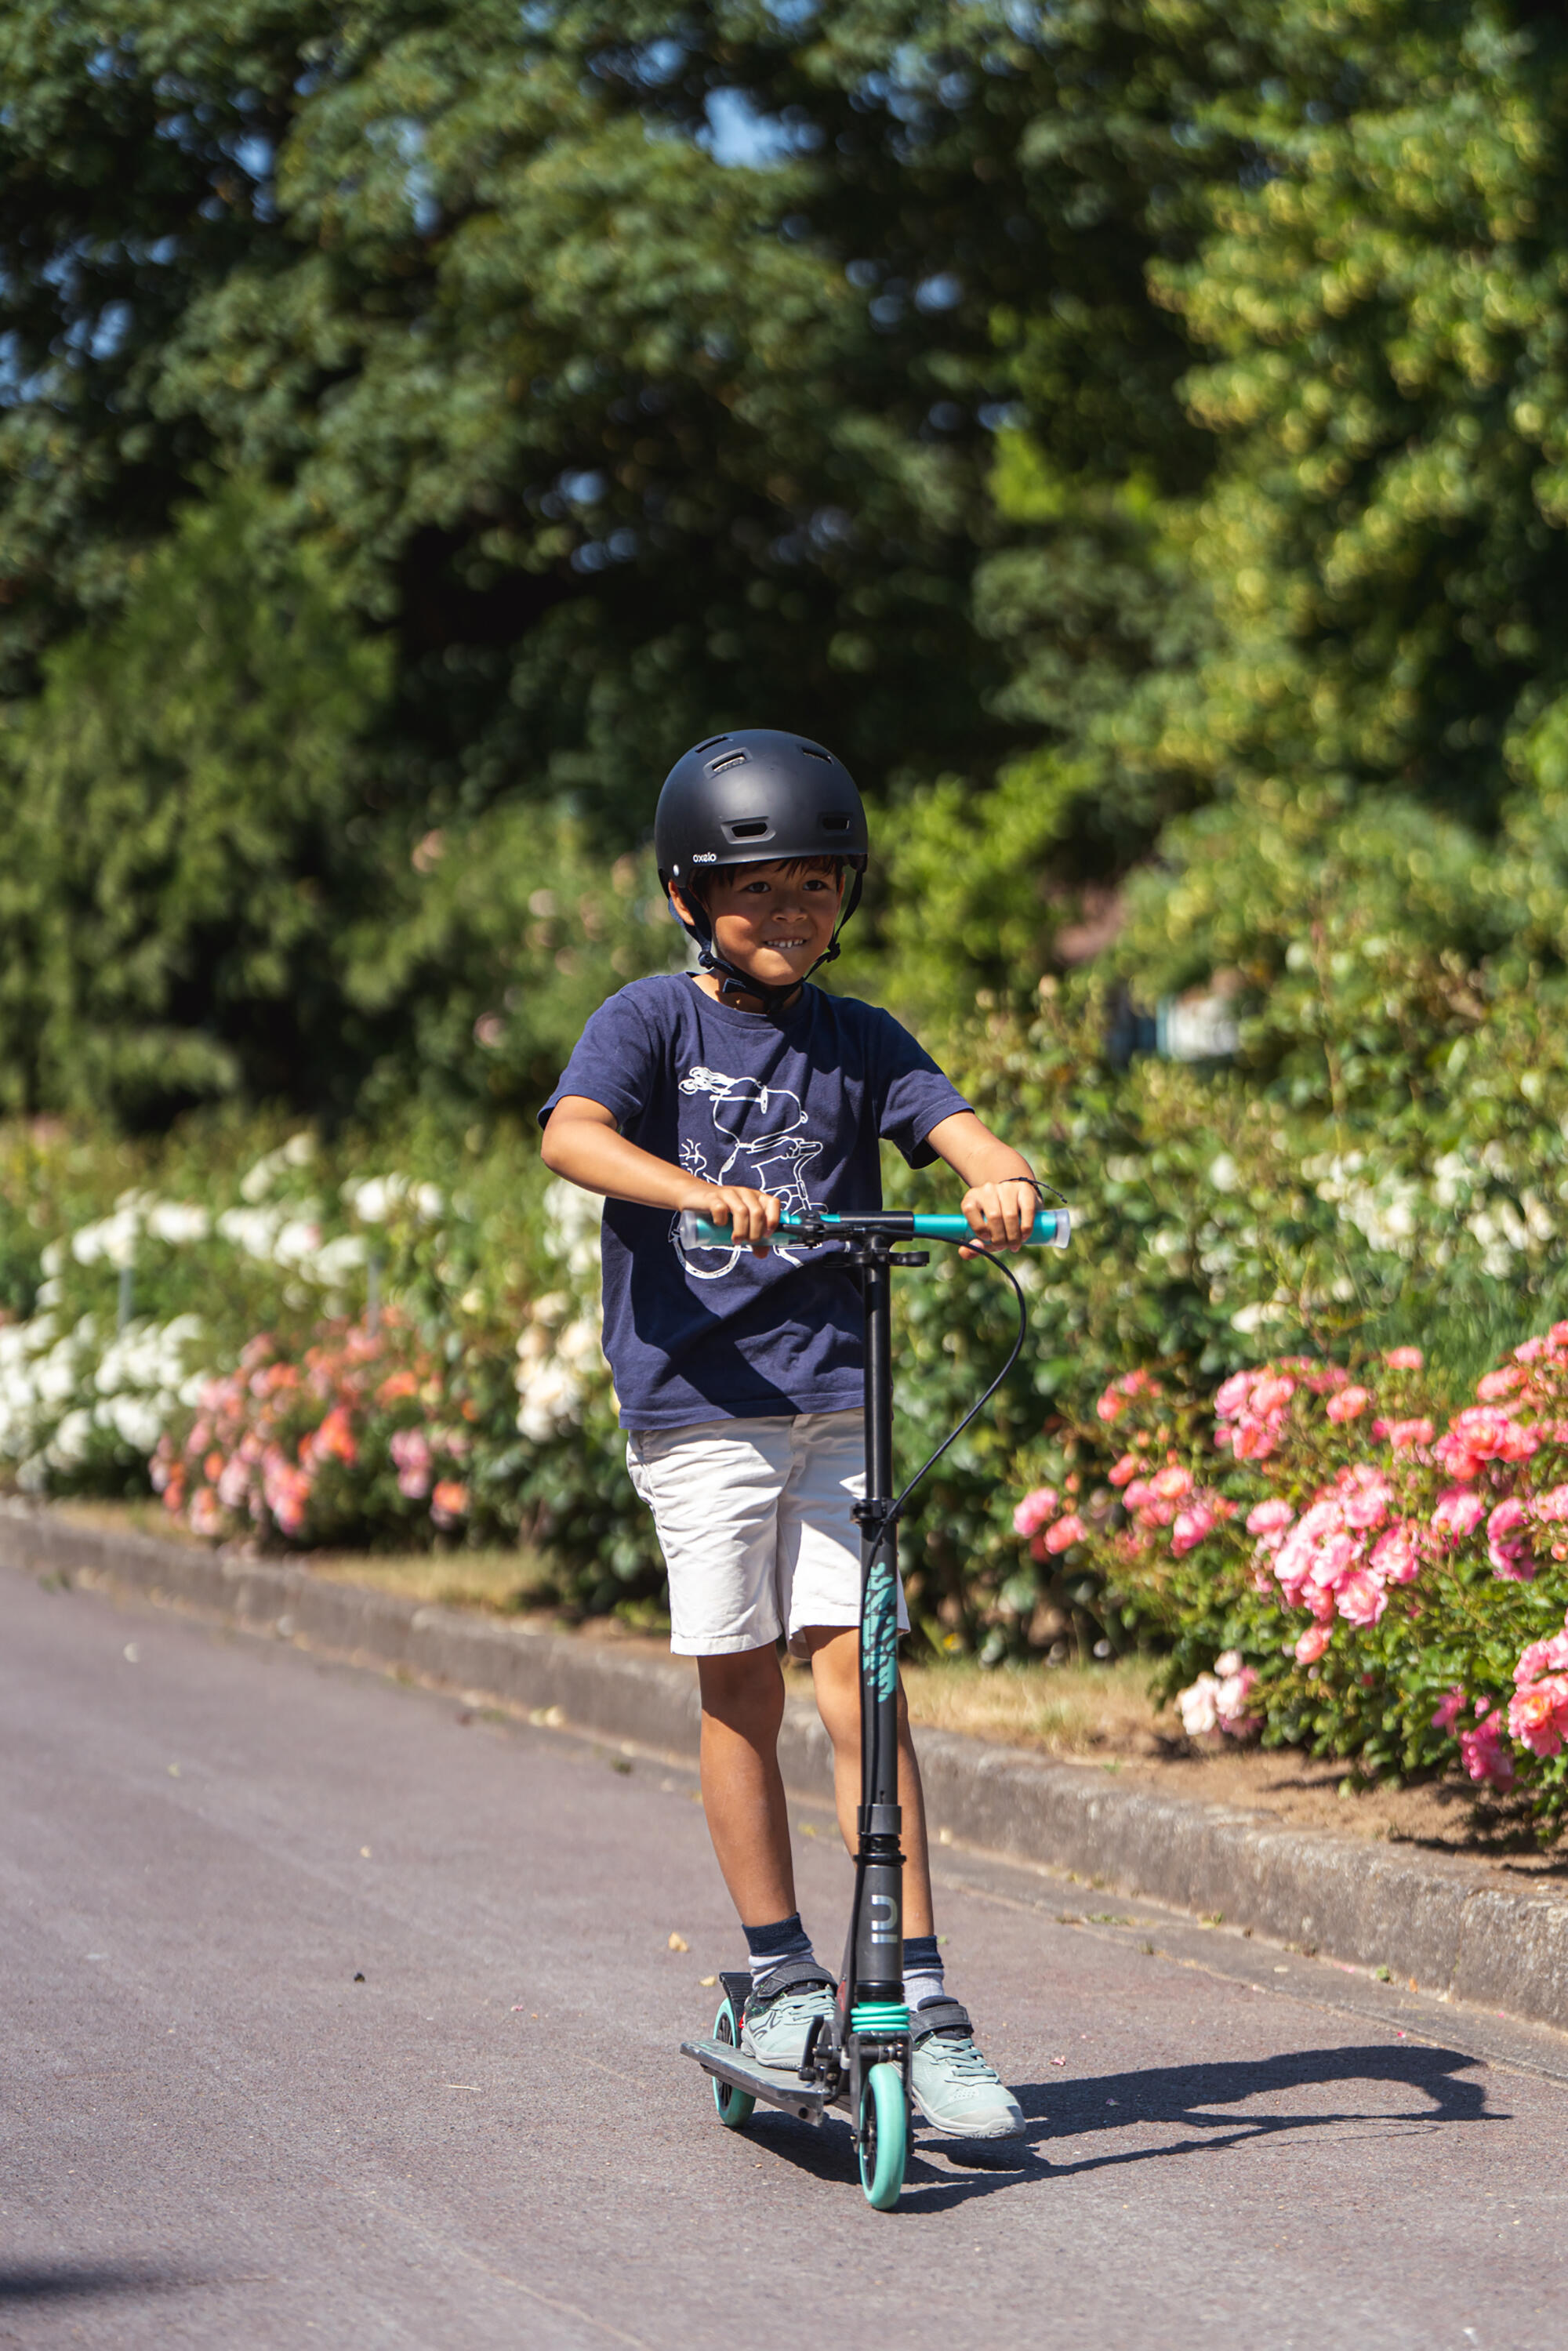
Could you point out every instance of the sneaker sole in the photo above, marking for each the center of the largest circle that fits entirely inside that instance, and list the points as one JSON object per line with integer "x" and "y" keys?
{"x": 1004, "y": 2127}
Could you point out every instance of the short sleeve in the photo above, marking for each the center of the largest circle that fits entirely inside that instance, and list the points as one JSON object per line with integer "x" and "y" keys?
{"x": 612, "y": 1063}
{"x": 912, "y": 1094}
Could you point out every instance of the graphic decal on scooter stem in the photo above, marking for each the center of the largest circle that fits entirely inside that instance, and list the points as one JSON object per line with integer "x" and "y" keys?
{"x": 760, "y": 1146}
{"x": 879, "y": 1639}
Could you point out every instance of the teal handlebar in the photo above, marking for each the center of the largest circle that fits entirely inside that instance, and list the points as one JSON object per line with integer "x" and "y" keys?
{"x": 1052, "y": 1228}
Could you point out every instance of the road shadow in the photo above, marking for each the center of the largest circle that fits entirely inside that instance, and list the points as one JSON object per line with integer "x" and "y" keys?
{"x": 1182, "y": 2099}
{"x": 1175, "y": 2092}
{"x": 24, "y": 2282}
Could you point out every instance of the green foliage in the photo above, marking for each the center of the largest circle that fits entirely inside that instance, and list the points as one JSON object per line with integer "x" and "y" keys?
{"x": 962, "y": 908}
{"x": 599, "y": 423}
{"x": 626, "y": 371}
{"x": 1379, "y": 308}
{"x": 1215, "y": 1224}
{"x": 185, "y": 805}
{"x": 508, "y": 933}
{"x": 632, "y": 371}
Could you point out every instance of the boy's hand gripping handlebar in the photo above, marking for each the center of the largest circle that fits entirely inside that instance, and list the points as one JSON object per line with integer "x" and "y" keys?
{"x": 1052, "y": 1228}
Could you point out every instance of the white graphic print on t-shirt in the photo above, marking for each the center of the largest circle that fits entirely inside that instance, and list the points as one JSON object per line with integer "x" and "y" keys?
{"x": 766, "y": 1151}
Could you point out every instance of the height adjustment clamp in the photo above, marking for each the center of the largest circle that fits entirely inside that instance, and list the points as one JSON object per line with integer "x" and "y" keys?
{"x": 876, "y": 1513}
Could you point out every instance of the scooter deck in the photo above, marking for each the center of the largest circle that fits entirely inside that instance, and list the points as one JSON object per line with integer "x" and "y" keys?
{"x": 772, "y": 2086}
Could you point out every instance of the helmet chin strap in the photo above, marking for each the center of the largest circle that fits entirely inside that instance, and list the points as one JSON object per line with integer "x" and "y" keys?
{"x": 733, "y": 981}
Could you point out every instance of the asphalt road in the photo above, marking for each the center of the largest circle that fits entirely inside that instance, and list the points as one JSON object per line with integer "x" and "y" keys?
{"x": 213, "y": 2133}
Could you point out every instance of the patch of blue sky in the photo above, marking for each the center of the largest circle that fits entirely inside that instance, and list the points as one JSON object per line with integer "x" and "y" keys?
{"x": 100, "y": 335}
{"x": 659, "y": 62}
{"x": 18, "y": 389}
{"x": 943, "y": 291}
{"x": 584, "y": 489}
{"x": 740, "y": 138}
{"x": 407, "y": 137}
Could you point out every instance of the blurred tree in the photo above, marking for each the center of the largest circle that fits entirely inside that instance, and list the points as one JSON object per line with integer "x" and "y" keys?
{"x": 188, "y": 831}
{"x": 1381, "y": 550}
{"x": 508, "y": 931}
{"x": 633, "y": 369}
{"x": 630, "y": 370}
{"x": 1300, "y": 624}
{"x": 135, "y": 174}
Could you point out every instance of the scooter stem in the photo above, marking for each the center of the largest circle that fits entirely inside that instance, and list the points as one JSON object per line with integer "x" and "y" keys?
{"x": 875, "y": 1970}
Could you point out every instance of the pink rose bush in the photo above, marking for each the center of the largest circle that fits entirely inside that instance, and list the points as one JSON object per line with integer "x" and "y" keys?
{"x": 1035, "y": 1509}
{"x": 1372, "y": 1575}
{"x": 1484, "y": 1752}
{"x": 1538, "y": 1711}
{"x": 1049, "y": 1534}
{"x": 1129, "y": 1390}
{"x": 367, "y": 1426}
{"x": 1249, "y": 1409}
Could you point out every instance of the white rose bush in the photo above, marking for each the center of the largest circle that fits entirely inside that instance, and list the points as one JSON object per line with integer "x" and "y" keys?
{"x": 292, "y": 1349}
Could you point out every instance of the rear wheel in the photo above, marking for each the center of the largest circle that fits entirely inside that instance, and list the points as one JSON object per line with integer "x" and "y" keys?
{"x": 884, "y": 2135}
{"x": 734, "y": 2105}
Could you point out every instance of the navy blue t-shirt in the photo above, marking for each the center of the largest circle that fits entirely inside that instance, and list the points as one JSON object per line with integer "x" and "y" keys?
{"x": 795, "y": 1106}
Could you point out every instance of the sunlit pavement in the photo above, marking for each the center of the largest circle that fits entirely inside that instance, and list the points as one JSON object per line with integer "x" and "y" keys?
{"x": 215, "y": 2135}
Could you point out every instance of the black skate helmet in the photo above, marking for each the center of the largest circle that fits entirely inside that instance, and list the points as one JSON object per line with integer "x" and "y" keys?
{"x": 756, "y": 797}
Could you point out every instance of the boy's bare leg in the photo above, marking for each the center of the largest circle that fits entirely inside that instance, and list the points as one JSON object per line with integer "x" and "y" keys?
{"x": 743, "y": 1796}
{"x": 835, "y": 1672}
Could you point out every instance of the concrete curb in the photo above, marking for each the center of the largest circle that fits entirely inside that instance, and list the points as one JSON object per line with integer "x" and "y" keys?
{"x": 1457, "y": 1931}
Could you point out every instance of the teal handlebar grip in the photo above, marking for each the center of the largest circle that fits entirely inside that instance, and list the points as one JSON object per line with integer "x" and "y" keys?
{"x": 1052, "y": 1228}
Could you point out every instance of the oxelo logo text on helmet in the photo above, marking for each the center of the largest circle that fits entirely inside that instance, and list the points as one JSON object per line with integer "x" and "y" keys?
{"x": 704, "y": 857}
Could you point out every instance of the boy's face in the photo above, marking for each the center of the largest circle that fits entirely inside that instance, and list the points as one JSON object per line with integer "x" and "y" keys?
{"x": 775, "y": 921}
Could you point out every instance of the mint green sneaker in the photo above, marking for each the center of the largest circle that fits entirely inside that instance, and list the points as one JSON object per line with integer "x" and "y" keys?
{"x": 953, "y": 2088}
{"x": 774, "y": 2026}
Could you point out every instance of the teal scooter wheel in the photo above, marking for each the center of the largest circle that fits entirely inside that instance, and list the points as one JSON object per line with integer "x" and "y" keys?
{"x": 734, "y": 2106}
{"x": 885, "y": 2136}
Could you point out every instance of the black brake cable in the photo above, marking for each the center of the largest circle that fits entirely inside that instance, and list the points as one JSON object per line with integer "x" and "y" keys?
{"x": 975, "y": 1409}
{"x": 977, "y": 1249}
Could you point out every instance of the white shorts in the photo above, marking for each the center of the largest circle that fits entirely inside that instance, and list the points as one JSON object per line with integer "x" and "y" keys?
{"x": 754, "y": 1521}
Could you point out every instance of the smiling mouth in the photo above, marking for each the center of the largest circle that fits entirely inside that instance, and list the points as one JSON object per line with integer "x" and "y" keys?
{"x": 787, "y": 943}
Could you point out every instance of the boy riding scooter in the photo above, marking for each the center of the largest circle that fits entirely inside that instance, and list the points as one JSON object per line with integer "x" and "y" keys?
{"x": 744, "y": 1094}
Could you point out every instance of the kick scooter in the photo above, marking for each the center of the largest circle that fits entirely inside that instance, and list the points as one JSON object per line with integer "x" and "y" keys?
{"x": 858, "y": 2059}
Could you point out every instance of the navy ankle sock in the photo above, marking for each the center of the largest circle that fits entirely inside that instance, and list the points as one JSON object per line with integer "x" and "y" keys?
{"x": 767, "y": 1947}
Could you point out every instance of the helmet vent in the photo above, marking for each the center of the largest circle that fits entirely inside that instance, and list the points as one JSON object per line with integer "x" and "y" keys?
{"x": 733, "y": 759}
{"x": 835, "y": 823}
{"x": 749, "y": 827}
{"x": 712, "y": 742}
{"x": 811, "y": 752}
